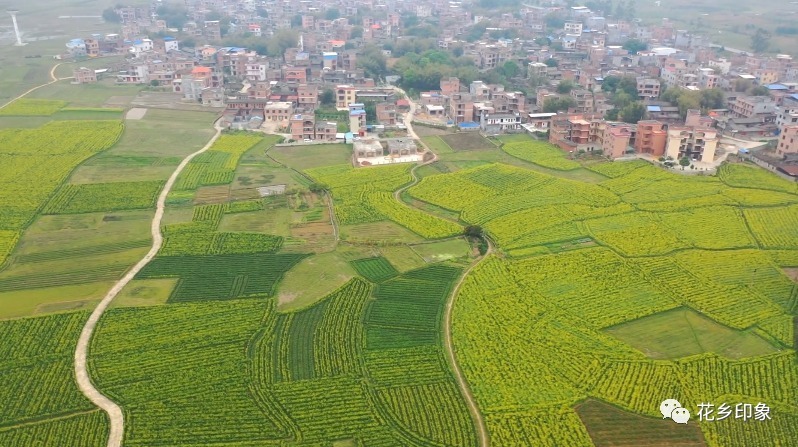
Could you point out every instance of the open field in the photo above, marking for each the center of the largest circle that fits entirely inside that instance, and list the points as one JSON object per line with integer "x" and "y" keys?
{"x": 313, "y": 278}
{"x": 683, "y": 332}
{"x": 610, "y": 426}
{"x": 608, "y": 288}
{"x": 467, "y": 141}
{"x": 313, "y": 156}
{"x": 332, "y": 372}
{"x": 546, "y": 307}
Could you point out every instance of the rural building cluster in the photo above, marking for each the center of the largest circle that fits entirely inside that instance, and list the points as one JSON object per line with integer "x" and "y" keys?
{"x": 588, "y": 80}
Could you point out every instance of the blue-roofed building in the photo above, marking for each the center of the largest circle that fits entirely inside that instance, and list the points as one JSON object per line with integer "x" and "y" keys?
{"x": 776, "y": 87}
{"x": 468, "y": 126}
{"x": 653, "y": 109}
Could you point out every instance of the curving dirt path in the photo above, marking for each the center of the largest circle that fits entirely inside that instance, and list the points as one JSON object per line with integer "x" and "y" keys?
{"x": 85, "y": 384}
{"x": 53, "y": 80}
{"x": 476, "y": 416}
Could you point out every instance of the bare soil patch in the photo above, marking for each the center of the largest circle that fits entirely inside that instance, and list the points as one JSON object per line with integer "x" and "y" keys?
{"x": 136, "y": 113}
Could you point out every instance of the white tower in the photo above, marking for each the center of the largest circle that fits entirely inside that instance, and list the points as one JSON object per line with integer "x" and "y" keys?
{"x": 13, "y": 13}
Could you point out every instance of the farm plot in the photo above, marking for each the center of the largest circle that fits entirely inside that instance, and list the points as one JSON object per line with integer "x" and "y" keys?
{"x": 224, "y": 276}
{"x": 353, "y": 189}
{"x": 94, "y": 197}
{"x": 375, "y": 269}
{"x": 36, "y": 161}
{"x": 291, "y": 379}
{"x": 616, "y": 169}
{"x": 32, "y": 107}
{"x": 217, "y": 166}
{"x": 690, "y": 267}
{"x": 467, "y": 141}
{"x": 37, "y": 363}
{"x": 753, "y": 177}
{"x": 542, "y": 154}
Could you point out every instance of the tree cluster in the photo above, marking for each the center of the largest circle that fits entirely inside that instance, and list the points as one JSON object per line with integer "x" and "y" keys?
{"x": 424, "y": 71}
{"x": 688, "y": 99}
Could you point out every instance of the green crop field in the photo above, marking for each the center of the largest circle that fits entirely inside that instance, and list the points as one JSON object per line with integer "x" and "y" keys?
{"x": 330, "y": 312}
{"x": 691, "y": 284}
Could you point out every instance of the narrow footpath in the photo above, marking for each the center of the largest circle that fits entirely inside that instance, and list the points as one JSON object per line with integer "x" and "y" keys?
{"x": 476, "y": 416}
{"x": 53, "y": 80}
{"x": 115, "y": 415}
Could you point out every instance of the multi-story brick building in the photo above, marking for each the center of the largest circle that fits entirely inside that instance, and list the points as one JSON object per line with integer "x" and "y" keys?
{"x": 788, "y": 140}
{"x": 648, "y": 88}
{"x": 84, "y": 75}
{"x": 754, "y": 106}
{"x": 650, "y": 138}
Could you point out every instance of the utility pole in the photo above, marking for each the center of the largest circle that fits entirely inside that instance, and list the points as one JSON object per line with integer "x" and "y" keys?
{"x": 13, "y": 13}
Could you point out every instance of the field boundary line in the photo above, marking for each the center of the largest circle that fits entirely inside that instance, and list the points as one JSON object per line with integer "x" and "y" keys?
{"x": 115, "y": 415}
{"x": 476, "y": 416}
{"x": 46, "y": 419}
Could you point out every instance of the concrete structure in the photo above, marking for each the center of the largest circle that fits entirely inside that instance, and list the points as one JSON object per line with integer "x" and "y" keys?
{"x": 788, "y": 141}
{"x": 84, "y": 75}
{"x": 13, "y": 13}
{"x": 695, "y": 143}
{"x": 651, "y": 138}
{"x": 401, "y": 146}
{"x": 751, "y": 106}
{"x": 367, "y": 148}
{"x": 278, "y": 111}
{"x": 493, "y": 123}
{"x": 538, "y": 122}
{"x": 648, "y": 88}
{"x": 615, "y": 139}
{"x": 344, "y": 95}
{"x": 357, "y": 119}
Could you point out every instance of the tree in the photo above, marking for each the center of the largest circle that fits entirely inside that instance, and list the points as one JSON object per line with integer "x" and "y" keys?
{"x": 712, "y": 98}
{"x": 760, "y": 41}
{"x": 536, "y": 81}
{"x": 373, "y": 62}
{"x": 371, "y": 111}
{"x": 614, "y": 84}
{"x": 332, "y": 14}
{"x": 551, "y": 62}
{"x": 684, "y": 161}
{"x": 473, "y": 231}
{"x": 633, "y": 112}
{"x": 621, "y": 99}
{"x": 565, "y": 86}
{"x": 475, "y": 32}
{"x": 174, "y": 15}
{"x": 296, "y": 21}
{"x": 281, "y": 41}
{"x": 553, "y": 105}
{"x": 110, "y": 15}
{"x": 327, "y": 97}
{"x": 510, "y": 69}
{"x": 554, "y": 21}
{"x": 317, "y": 188}
{"x": 635, "y": 45}
{"x": 356, "y": 33}
{"x": 759, "y": 90}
